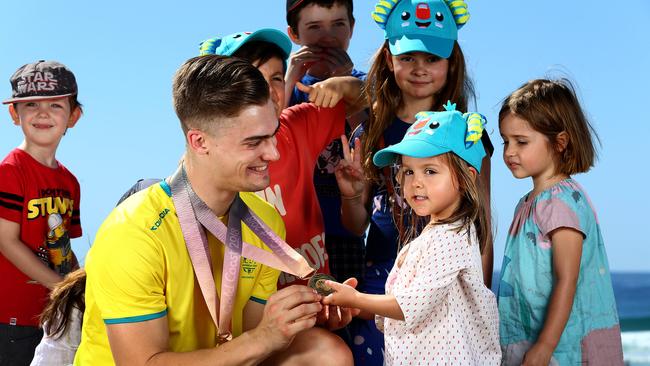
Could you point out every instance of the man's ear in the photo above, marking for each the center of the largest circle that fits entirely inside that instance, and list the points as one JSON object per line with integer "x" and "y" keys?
{"x": 389, "y": 59}
{"x": 561, "y": 141}
{"x": 294, "y": 37}
{"x": 196, "y": 142}
{"x": 74, "y": 117}
{"x": 14, "y": 114}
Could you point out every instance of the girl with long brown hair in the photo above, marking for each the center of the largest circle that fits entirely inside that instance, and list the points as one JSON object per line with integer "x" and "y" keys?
{"x": 61, "y": 321}
{"x": 419, "y": 67}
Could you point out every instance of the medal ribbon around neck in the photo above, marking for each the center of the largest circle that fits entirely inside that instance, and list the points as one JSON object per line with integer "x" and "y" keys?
{"x": 194, "y": 215}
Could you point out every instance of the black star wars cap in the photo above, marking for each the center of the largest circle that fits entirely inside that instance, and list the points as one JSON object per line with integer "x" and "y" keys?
{"x": 41, "y": 80}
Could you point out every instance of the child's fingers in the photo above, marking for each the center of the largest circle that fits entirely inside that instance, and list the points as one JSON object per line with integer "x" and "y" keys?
{"x": 329, "y": 300}
{"x": 343, "y": 63}
{"x": 325, "y": 99}
{"x": 347, "y": 156}
{"x": 352, "y": 282}
{"x": 333, "y": 100}
{"x": 318, "y": 97}
{"x": 336, "y": 98}
{"x": 357, "y": 152}
{"x": 335, "y": 285}
{"x": 304, "y": 88}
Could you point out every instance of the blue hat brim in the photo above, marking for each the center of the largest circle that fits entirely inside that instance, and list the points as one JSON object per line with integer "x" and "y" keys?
{"x": 268, "y": 35}
{"x": 440, "y": 47}
{"x": 412, "y": 147}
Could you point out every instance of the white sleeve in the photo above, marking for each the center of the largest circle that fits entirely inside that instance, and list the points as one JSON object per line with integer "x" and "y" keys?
{"x": 441, "y": 257}
{"x": 60, "y": 351}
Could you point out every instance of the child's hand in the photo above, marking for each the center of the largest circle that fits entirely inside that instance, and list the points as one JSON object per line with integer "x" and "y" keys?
{"x": 301, "y": 60}
{"x": 326, "y": 93}
{"x": 335, "y": 317}
{"x": 339, "y": 61}
{"x": 349, "y": 173}
{"x": 538, "y": 354}
{"x": 344, "y": 294}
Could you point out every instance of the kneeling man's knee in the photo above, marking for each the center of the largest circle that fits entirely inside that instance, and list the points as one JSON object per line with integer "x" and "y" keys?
{"x": 331, "y": 348}
{"x": 315, "y": 346}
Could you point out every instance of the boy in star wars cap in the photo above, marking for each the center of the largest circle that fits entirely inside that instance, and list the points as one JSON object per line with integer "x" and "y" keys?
{"x": 36, "y": 189}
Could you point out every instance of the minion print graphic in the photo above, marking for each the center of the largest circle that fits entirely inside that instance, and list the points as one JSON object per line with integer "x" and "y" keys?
{"x": 58, "y": 245}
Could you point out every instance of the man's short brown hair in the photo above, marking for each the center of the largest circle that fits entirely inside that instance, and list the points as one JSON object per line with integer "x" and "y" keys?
{"x": 212, "y": 86}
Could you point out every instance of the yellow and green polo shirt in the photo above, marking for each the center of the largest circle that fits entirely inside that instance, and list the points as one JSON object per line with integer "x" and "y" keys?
{"x": 139, "y": 269}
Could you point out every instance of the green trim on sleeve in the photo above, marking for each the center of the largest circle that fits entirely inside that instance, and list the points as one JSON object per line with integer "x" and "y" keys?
{"x": 136, "y": 319}
{"x": 258, "y": 300}
{"x": 166, "y": 187}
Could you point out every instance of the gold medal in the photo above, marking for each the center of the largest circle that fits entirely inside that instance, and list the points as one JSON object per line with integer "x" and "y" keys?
{"x": 317, "y": 282}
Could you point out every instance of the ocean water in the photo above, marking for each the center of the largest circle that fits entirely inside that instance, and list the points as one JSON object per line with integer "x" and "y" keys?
{"x": 632, "y": 292}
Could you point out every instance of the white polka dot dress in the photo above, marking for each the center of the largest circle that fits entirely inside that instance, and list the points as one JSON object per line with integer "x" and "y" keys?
{"x": 450, "y": 317}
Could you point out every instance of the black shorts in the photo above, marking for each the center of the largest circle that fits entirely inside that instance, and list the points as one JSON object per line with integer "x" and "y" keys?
{"x": 17, "y": 344}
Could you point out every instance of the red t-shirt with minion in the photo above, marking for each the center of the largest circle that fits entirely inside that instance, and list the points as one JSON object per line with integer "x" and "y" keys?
{"x": 305, "y": 130}
{"x": 45, "y": 202}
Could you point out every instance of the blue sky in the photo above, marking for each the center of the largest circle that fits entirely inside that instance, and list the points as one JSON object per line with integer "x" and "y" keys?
{"x": 124, "y": 55}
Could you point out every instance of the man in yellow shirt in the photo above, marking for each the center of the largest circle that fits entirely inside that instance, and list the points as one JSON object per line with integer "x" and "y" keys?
{"x": 143, "y": 303}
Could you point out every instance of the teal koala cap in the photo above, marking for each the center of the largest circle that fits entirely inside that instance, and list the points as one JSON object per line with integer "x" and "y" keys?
{"x": 436, "y": 133}
{"x": 227, "y": 45}
{"x": 429, "y": 26}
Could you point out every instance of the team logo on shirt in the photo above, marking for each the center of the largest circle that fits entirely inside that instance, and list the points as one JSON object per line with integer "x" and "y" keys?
{"x": 161, "y": 216}
{"x": 248, "y": 266}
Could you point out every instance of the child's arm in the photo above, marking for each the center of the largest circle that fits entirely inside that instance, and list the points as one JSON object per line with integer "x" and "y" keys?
{"x": 338, "y": 59}
{"x": 329, "y": 92}
{"x": 487, "y": 255}
{"x": 299, "y": 63}
{"x": 355, "y": 189}
{"x": 22, "y": 257}
{"x": 347, "y": 296}
{"x": 567, "y": 251}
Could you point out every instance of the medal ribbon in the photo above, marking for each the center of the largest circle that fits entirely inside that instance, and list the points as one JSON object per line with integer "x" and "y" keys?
{"x": 194, "y": 215}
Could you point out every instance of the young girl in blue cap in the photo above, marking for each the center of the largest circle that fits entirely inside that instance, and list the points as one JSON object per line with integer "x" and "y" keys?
{"x": 419, "y": 67}
{"x": 436, "y": 307}
{"x": 556, "y": 301}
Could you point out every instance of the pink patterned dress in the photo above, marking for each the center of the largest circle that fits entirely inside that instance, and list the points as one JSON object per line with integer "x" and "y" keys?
{"x": 450, "y": 317}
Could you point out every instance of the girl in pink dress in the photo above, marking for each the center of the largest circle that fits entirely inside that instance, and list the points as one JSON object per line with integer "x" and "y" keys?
{"x": 436, "y": 308}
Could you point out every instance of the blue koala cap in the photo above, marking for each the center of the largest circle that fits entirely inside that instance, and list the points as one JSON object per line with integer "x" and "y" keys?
{"x": 429, "y": 26}
{"x": 436, "y": 133}
{"x": 227, "y": 45}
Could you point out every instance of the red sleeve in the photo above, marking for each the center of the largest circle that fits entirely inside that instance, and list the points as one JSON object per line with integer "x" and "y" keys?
{"x": 11, "y": 193}
{"x": 319, "y": 126}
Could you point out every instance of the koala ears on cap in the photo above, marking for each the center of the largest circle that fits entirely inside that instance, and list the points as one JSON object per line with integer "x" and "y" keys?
{"x": 209, "y": 47}
{"x": 475, "y": 126}
{"x": 459, "y": 11}
{"x": 383, "y": 9}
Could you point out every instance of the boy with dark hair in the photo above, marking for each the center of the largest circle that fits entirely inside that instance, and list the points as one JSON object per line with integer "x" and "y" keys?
{"x": 323, "y": 29}
{"x": 39, "y": 204}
